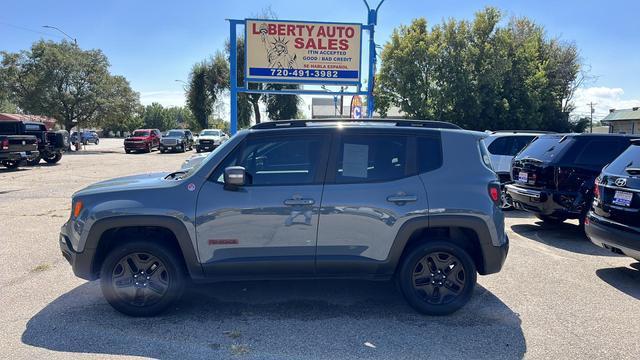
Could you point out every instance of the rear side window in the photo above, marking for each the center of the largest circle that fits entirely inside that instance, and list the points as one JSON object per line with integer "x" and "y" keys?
{"x": 429, "y": 151}
{"x": 599, "y": 152}
{"x": 371, "y": 158}
{"x": 509, "y": 145}
{"x": 629, "y": 159}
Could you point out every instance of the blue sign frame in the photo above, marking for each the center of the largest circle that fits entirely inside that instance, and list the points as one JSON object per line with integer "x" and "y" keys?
{"x": 372, "y": 15}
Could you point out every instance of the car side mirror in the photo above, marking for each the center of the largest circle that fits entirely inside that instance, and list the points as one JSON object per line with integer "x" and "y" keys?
{"x": 234, "y": 177}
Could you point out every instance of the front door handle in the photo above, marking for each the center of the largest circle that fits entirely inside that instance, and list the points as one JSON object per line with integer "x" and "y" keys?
{"x": 401, "y": 198}
{"x": 299, "y": 202}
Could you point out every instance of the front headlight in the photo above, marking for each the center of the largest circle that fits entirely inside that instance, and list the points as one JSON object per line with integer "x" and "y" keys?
{"x": 197, "y": 141}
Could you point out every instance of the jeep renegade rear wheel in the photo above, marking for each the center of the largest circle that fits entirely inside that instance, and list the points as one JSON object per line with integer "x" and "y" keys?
{"x": 141, "y": 278}
{"x": 437, "y": 278}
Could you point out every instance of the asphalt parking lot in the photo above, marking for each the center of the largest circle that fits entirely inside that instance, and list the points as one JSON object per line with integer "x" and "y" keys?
{"x": 558, "y": 295}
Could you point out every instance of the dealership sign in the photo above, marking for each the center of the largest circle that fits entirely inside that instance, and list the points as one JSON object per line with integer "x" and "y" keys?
{"x": 302, "y": 52}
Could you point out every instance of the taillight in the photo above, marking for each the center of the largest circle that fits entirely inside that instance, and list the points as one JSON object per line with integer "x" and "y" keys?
{"x": 494, "y": 192}
{"x": 5, "y": 144}
{"x": 596, "y": 190}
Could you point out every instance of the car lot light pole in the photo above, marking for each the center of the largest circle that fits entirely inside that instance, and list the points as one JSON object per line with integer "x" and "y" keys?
{"x": 75, "y": 41}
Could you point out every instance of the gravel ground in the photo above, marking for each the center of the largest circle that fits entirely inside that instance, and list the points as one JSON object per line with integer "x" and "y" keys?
{"x": 558, "y": 295}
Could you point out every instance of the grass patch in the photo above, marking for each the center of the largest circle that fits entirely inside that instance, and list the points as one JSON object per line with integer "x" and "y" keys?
{"x": 41, "y": 268}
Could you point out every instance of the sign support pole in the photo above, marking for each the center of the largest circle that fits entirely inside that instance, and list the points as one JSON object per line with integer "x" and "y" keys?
{"x": 372, "y": 22}
{"x": 233, "y": 58}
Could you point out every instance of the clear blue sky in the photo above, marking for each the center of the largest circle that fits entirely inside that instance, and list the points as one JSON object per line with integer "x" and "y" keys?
{"x": 153, "y": 43}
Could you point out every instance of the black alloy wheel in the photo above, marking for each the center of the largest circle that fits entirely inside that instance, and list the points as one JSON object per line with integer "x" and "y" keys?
{"x": 142, "y": 278}
{"x": 437, "y": 278}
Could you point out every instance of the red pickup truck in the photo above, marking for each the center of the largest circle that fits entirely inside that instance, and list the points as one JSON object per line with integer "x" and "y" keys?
{"x": 142, "y": 140}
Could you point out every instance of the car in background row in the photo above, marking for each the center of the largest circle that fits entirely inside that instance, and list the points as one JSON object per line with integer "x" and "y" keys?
{"x": 554, "y": 175}
{"x": 17, "y": 149}
{"x": 86, "y": 137}
{"x": 143, "y": 140}
{"x": 209, "y": 139}
{"x": 50, "y": 143}
{"x": 180, "y": 140}
{"x": 502, "y": 147}
{"x": 614, "y": 220}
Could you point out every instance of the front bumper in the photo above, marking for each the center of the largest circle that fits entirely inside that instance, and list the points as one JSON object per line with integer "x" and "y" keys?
{"x": 19, "y": 156}
{"x": 136, "y": 146}
{"x": 81, "y": 262}
{"x": 175, "y": 147}
{"x": 545, "y": 202}
{"x": 613, "y": 236}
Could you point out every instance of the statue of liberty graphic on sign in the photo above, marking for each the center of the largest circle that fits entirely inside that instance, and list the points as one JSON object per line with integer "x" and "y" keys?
{"x": 277, "y": 51}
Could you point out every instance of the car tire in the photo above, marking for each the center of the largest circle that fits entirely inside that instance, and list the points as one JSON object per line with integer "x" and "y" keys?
{"x": 127, "y": 151}
{"x": 148, "y": 149}
{"x": 198, "y": 150}
{"x": 52, "y": 158}
{"x": 437, "y": 277}
{"x": 11, "y": 164}
{"x": 97, "y": 141}
{"x": 548, "y": 219}
{"x": 132, "y": 285}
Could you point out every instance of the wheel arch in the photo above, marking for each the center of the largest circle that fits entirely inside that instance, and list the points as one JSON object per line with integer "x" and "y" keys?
{"x": 109, "y": 232}
{"x": 469, "y": 232}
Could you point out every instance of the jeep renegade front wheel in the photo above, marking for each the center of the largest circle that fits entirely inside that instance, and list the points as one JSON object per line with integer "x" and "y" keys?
{"x": 141, "y": 278}
{"x": 437, "y": 278}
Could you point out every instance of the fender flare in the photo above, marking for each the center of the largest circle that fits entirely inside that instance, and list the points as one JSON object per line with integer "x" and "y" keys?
{"x": 172, "y": 224}
{"x": 471, "y": 222}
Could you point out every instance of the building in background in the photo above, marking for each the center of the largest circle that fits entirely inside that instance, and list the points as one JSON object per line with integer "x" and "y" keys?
{"x": 327, "y": 108}
{"x": 49, "y": 122}
{"x": 625, "y": 121}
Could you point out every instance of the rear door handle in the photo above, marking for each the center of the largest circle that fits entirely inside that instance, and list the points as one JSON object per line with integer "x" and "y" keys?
{"x": 399, "y": 198}
{"x": 299, "y": 202}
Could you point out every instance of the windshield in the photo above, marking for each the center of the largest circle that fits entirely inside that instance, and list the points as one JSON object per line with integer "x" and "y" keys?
{"x": 546, "y": 148}
{"x": 175, "y": 133}
{"x": 141, "y": 133}
{"x": 210, "y": 133}
{"x": 194, "y": 169}
{"x": 629, "y": 159}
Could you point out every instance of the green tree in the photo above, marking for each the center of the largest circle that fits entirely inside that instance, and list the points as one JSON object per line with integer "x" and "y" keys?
{"x": 61, "y": 80}
{"x": 121, "y": 108}
{"x": 282, "y": 107}
{"x": 155, "y": 116}
{"x": 479, "y": 74}
{"x": 198, "y": 97}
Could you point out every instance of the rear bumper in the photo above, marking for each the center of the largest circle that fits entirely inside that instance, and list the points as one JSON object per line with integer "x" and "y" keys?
{"x": 19, "y": 156}
{"x": 494, "y": 257}
{"x": 544, "y": 202}
{"x": 613, "y": 236}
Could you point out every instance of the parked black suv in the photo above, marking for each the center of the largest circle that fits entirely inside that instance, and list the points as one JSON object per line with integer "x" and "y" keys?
{"x": 554, "y": 176}
{"x": 614, "y": 221}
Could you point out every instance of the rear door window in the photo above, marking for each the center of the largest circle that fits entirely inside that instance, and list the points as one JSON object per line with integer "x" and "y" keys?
{"x": 371, "y": 158}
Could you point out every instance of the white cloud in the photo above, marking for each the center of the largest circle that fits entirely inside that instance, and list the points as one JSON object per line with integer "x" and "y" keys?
{"x": 165, "y": 98}
{"x": 605, "y": 98}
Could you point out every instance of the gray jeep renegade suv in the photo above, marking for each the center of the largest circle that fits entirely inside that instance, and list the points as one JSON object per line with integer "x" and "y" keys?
{"x": 414, "y": 201}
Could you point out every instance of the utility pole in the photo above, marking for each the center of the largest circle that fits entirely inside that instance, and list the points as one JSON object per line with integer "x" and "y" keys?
{"x": 591, "y": 105}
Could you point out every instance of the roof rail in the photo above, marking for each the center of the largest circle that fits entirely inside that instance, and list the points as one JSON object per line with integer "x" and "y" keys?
{"x": 398, "y": 122}
{"x": 522, "y": 132}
